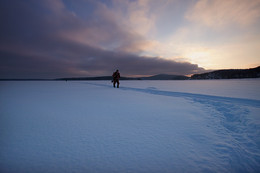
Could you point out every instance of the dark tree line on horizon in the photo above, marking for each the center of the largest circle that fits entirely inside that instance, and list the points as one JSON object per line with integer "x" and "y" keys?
{"x": 229, "y": 74}
{"x": 218, "y": 74}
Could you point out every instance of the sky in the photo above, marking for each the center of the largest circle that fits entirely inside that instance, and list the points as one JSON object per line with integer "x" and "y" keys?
{"x": 75, "y": 38}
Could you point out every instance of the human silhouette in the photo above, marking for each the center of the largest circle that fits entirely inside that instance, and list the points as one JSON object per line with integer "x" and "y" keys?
{"x": 116, "y": 76}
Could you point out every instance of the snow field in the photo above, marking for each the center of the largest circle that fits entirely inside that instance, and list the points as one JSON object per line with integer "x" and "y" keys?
{"x": 144, "y": 126}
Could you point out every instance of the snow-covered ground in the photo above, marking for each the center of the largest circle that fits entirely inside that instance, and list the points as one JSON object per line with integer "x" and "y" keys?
{"x": 144, "y": 126}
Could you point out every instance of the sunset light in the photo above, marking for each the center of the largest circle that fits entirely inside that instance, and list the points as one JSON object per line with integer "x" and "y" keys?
{"x": 57, "y": 38}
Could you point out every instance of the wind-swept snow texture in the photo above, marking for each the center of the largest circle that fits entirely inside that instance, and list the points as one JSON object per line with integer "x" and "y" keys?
{"x": 144, "y": 126}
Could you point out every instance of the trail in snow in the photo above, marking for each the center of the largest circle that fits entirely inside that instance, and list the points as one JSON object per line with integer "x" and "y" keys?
{"x": 196, "y": 97}
{"x": 230, "y": 119}
{"x": 140, "y": 127}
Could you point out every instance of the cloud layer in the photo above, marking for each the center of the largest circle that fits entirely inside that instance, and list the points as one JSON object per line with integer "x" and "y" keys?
{"x": 66, "y": 38}
{"x": 46, "y": 39}
{"x": 220, "y": 14}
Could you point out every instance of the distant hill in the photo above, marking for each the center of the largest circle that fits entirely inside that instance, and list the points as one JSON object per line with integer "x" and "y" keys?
{"x": 218, "y": 74}
{"x": 97, "y": 78}
{"x": 165, "y": 77}
{"x": 155, "y": 77}
{"x": 229, "y": 74}
{"x": 87, "y": 78}
{"x": 15, "y": 79}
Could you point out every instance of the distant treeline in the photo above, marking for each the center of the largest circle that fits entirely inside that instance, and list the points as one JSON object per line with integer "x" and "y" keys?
{"x": 155, "y": 77}
{"x": 229, "y": 74}
{"x": 25, "y": 79}
{"x": 218, "y": 74}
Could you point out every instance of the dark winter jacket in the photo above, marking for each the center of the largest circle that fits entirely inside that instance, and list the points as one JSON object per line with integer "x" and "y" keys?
{"x": 116, "y": 75}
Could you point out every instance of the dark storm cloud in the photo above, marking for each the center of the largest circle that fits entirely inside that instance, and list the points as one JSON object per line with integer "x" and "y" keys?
{"x": 42, "y": 39}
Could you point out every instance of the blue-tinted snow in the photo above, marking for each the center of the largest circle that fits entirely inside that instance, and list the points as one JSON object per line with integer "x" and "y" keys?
{"x": 144, "y": 126}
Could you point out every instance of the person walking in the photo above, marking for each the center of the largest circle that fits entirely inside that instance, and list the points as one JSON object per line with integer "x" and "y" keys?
{"x": 116, "y": 76}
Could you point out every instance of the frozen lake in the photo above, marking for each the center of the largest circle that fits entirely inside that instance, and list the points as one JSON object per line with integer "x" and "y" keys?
{"x": 144, "y": 126}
